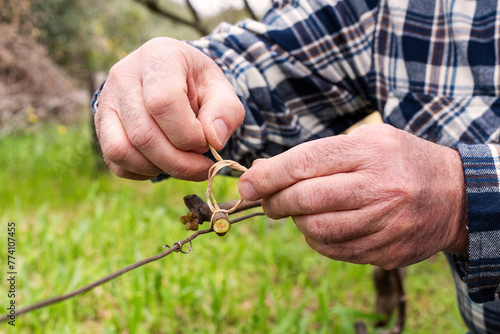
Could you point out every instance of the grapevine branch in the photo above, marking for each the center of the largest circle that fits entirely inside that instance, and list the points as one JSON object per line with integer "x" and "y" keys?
{"x": 193, "y": 203}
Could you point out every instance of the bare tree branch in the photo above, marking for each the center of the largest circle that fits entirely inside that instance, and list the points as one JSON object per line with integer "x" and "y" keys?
{"x": 195, "y": 23}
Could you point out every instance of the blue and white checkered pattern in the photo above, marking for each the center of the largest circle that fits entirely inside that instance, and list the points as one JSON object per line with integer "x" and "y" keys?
{"x": 309, "y": 69}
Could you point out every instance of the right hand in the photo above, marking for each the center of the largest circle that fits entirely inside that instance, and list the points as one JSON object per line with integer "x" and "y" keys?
{"x": 159, "y": 108}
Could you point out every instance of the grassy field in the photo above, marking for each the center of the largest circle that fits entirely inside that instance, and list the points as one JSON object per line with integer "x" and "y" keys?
{"x": 75, "y": 225}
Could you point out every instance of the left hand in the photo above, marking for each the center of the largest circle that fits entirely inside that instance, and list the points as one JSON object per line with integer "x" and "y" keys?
{"x": 378, "y": 195}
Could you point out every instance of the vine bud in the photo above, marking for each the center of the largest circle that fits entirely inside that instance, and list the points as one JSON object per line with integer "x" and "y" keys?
{"x": 189, "y": 216}
{"x": 191, "y": 226}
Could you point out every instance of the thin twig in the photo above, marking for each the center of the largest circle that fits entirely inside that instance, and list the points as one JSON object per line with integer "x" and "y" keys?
{"x": 175, "y": 248}
{"x": 236, "y": 220}
{"x": 153, "y": 6}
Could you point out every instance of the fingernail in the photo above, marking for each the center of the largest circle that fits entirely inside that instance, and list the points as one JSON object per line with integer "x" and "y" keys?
{"x": 247, "y": 191}
{"x": 221, "y": 130}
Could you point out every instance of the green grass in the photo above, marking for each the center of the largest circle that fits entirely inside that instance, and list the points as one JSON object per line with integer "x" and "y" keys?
{"x": 75, "y": 225}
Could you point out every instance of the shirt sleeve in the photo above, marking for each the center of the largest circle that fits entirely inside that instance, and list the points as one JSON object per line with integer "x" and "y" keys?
{"x": 480, "y": 270}
{"x": 301, "y": 72}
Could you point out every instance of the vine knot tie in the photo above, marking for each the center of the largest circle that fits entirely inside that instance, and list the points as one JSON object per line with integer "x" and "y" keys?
{"x": 216, "y": 167}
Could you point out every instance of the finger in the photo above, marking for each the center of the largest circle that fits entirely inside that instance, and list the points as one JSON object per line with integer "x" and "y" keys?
{"x": 370, "y": 250}
{"x": 123, "y": 173}
{"x": 337, "y": 227}
{"x": 221, "y": 111}
{"x": 145, "y": 135}
{"x": 118, "y": 150}
{"x": 317, "y": 158}
{"x": 356, "y": 251}
{"x": 344, "y": 191}
{"x": 165, "y": 91}
{"x": 337, "y": 236}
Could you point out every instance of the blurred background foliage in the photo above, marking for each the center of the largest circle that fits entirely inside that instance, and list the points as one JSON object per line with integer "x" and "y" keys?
{"x": 54, "y": 53}
{"x": 92, "y": 35}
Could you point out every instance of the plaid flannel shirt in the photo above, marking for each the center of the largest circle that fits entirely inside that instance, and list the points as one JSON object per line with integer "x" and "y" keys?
{"x": 309, "y": 69}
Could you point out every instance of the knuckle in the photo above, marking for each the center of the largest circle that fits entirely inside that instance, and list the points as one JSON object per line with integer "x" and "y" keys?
{"x": 264, "y": 180}
{"x": 158, "y": 105}
{"x": 162, "y": 109}
{"x": 188, "y": 140}
{"x": 386, "y": 138}
{"x": 270, "y": 207}
{"x": 306, "y": 204}
{"x": 117, "y": 170}
{"x": 121, "y": 73}
{"x": 120, "y": 172}
{"x": 183, "y": 170}
{"x": 114, "y": 71}
{"x": 319, "y": 230}
{"x": 273, "y": 207}
{"x": 157, "y": 42}
{"x": 350, "y": 255}
{"x": 147, "y": 46}
{"x": 112, "y": 149}
{"x": 352, "y": 196}
{"x": 382, "y": 137}
{"x": 360, "y": 256}
{"x": 300, "y": 167}
{"x": 116, "y": 152}
{"x": 410, "y": 189}
{"x": 404, "y": 191}
{"x": 142, "y": 137}
{"x": 107, "y": 105}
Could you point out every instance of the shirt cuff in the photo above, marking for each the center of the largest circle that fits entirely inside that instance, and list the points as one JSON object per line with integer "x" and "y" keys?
{"x": 480, "y": 270}
{"x": 95, "y": 99}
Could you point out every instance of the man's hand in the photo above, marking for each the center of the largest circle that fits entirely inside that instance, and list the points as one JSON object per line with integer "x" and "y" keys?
{"x": 160, "y": 107}
{"x": 378, "y": 195}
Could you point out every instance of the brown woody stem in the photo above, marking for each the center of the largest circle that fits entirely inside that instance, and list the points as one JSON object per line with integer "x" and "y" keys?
{"x": 202, "y": 212}
{"x": 220, "y": 223}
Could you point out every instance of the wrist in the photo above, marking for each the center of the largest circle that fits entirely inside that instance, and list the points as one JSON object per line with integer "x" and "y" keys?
{"x": 458, "y": 236}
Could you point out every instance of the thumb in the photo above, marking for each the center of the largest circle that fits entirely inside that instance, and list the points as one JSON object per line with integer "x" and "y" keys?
{"x": 221, "y": 112}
